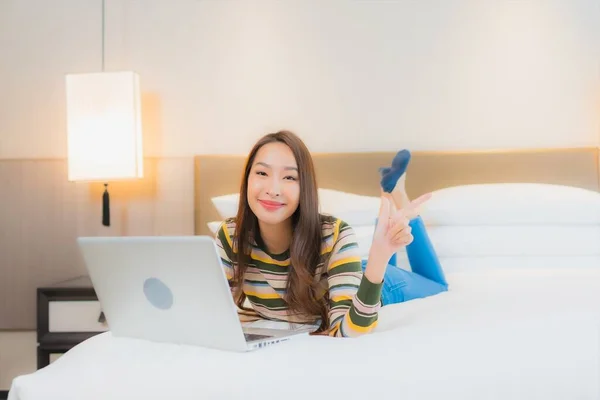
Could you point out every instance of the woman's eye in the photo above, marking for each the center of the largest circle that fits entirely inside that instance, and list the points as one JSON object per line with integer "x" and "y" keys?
{"x": 261, "y": 173}
{"x": 293, "y": 178}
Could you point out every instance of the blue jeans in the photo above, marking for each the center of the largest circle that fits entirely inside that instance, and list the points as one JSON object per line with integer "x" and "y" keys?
{"x": 426, "y": 278}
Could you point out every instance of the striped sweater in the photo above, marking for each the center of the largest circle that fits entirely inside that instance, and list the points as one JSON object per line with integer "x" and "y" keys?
{"x": 353, "y": 301}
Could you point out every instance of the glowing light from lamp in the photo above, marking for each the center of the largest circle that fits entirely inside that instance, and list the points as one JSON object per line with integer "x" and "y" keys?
{"x": 104, "y": 132}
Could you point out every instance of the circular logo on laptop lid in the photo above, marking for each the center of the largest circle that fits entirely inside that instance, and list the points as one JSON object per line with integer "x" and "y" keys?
{"x": 158, "y": 294}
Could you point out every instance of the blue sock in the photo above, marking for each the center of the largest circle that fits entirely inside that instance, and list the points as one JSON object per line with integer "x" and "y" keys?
{"x": 390, "y": 175}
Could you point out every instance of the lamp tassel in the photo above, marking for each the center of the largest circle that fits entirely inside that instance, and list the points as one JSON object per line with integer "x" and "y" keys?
{"x": 105, "y": 207}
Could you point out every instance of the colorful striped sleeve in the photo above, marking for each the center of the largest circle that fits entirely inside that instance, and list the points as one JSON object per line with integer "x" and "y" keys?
{"x": 354, "y": 300}
{"x": 225, "y": 249}
{"x": 223, "y": 239}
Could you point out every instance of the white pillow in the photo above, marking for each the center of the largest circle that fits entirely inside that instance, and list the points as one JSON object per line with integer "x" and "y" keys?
{"x": 226, "y": 205}
{"x": 500, "y": 241}
{"x": 356, "y": 210}
{"x": 515, "y": 241}
{"x": 512, "y": 203}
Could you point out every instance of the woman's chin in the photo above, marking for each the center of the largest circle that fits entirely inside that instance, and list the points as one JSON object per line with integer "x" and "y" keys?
{"x": 270, "y": 219}
{"x": 270, "y": 216}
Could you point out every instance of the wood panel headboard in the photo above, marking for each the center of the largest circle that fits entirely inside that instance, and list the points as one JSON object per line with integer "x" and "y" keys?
{"x": 216, "y": 175}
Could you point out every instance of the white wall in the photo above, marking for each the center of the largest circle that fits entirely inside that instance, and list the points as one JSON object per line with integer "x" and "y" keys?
{"x": 429, "y": 74}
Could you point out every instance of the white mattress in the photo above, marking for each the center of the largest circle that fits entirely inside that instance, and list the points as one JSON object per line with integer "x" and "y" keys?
{"x": 527, "y": 333}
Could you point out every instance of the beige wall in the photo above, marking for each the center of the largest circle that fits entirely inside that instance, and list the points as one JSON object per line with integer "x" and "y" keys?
{"x": 42, "y": 215}
{"x": 17, "y": 355}
{"x": 373, "y": 75}
{"x": 433, "y": 74}
{"x": 40, "y": 218}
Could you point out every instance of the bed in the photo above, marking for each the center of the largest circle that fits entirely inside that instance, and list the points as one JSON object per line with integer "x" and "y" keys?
{"x": 518, "y": 233}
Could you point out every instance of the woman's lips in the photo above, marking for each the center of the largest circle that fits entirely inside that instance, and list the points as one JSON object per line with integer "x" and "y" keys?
{"x": 271, "y": 205}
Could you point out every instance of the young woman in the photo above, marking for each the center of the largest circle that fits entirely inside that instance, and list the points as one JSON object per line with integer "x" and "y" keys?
{"x": 294, "y": 264}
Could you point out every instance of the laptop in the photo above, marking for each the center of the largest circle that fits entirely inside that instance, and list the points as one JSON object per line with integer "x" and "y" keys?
{"x": 170, "y": 289}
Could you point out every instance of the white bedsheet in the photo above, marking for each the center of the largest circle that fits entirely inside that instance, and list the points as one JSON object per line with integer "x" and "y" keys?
{"x": 497, "y": 334}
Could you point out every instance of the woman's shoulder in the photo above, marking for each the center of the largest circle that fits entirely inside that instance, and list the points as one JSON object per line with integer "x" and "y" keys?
{"x": 225, "y": 233}
{"x": 229, "y": 221}
{"x": 336, "y": 233}
{"x": 331, "y": 225}
{"x": 227, "y": 227}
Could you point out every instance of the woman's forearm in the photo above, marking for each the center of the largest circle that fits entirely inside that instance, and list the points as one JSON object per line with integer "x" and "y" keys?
{"x": 376, "y": 266}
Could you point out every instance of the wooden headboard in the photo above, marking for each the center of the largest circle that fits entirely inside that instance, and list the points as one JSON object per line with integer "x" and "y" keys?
{"x": 216, "y": 175}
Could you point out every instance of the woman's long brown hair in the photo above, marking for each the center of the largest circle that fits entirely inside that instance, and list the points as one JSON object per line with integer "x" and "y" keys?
{"x": 302, "y": 294}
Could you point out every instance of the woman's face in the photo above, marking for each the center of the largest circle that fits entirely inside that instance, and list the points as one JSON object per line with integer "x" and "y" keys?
{"x": 273, "y": 186}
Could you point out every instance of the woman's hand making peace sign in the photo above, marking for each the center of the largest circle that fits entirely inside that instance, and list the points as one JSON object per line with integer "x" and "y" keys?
{"x": 391, "y": 234}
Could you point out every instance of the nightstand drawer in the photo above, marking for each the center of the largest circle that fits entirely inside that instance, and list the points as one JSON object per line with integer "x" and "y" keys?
{"x": 75, "y": 316}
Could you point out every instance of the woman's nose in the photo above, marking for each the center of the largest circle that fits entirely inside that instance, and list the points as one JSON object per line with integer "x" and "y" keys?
{"x": 274, "y": 188}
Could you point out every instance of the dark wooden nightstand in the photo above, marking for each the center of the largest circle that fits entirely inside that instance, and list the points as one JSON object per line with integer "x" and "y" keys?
{"x": 68, "y": 313}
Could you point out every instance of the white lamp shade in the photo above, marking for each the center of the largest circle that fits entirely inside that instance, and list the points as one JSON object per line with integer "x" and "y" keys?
{"x": 104, "y": 129}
